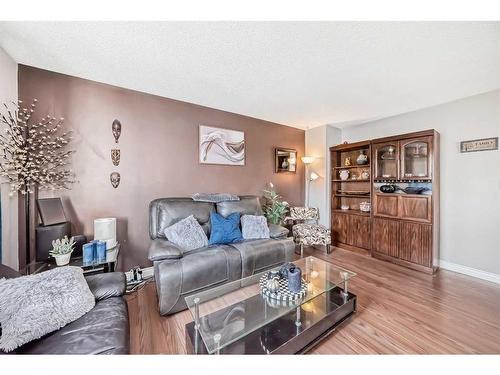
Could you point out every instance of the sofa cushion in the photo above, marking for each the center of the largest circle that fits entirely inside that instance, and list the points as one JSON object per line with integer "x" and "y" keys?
{"x": 254, "y": 227}
{"x": 277, "y": 231}
{"x": 161, "y": 249}
{"x": 197, "y": 270}
{"x": 165, "y": 212}
{"x": 107, "y": 285}
{"x": 187, "y": 234}
{"x": 260, "y": 255}
{"x": 247, "y": 205}
{"x": 32, "y": 306}
{"x": 224, "y": 230}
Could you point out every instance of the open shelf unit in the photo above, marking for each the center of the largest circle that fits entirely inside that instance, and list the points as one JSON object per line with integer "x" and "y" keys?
{"x": 354, "y": 223}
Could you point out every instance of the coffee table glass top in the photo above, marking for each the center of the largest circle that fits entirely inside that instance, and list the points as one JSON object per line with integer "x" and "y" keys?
{"x": 231, "y": 311}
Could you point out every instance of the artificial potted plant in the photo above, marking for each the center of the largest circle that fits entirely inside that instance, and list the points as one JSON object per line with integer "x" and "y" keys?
{"x": 276, "y": 208}
{"x": 62, "y": 249}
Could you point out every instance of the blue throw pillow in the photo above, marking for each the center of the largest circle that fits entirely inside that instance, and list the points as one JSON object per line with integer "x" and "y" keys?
{"x": 224, "y": 230}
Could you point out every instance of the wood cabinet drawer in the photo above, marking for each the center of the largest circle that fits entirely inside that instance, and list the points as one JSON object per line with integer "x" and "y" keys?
{"x": 416, "y": 208}
{"x": 386, "y": 205}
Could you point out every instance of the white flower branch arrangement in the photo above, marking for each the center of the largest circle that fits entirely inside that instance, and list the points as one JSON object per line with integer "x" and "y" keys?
{"x": 33, "y": 154}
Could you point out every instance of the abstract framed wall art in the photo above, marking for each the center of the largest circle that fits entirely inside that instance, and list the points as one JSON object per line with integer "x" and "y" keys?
{"x": 221, "y": 146}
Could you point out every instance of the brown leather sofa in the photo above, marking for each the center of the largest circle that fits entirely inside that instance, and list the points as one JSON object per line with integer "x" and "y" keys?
{"x": 103, "y": 330}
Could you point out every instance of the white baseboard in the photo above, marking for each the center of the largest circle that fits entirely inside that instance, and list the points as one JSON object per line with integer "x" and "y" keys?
{"x": 474, "y": 272}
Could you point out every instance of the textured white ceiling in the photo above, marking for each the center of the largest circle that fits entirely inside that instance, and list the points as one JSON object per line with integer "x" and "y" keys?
{"x": 302, "y": 74}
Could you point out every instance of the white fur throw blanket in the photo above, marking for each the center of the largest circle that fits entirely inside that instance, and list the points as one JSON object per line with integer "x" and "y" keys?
{"x": 33, "y": 306}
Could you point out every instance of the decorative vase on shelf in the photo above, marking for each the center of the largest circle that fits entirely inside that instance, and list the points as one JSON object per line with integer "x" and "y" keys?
{"x": 273, "y": 284}
{"x": 344, "y": 174}
{"x": 294, "y": 279}
{"x": 365, "y": 206}
{"x": 362, "y": 158}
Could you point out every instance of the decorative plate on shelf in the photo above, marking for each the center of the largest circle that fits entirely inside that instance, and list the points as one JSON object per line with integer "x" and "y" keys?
{"x": 283, "y": 294}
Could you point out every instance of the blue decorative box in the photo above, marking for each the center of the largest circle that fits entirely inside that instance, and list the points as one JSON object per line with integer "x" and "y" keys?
{"x": 88, "y": 253}
{"x": 101, "y": 251}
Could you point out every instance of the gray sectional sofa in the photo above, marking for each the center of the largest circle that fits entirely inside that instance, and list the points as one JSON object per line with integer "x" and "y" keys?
{"x": 179, "y": 274}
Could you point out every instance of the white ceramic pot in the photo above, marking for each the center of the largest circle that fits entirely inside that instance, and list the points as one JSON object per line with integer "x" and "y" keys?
{"x": 365, "y": 206}
{"x": 62, "y": 260}
{"x": 344, "y": 174}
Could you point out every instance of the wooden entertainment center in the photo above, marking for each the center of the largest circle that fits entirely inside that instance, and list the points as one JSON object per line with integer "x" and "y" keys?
{"x": 385, "y": 198}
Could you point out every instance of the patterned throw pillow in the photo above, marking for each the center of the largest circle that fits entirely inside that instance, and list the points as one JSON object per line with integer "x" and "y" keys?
{"x": 254, "y": 227}
{"x": 187, "y": 234}
{"x": 224, "y": 230}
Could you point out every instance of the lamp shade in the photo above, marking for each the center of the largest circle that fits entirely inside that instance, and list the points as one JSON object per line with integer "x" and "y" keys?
{"x": 105, "y": 230}
{"x": 307, "y": 159}
{"x": 313, "y": 176}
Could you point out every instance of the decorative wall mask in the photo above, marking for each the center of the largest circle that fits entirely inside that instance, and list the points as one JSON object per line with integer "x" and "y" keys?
{"x": 117, "y": 129}
{"x": 115, "y": 179}
{"x": 115, "y": 157}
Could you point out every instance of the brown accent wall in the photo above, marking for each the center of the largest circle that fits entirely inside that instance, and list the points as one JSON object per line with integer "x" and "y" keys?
{"x": 159, "y": 153}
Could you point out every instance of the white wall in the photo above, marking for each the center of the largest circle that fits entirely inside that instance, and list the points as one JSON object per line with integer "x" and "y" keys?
{"x": 318, "y": 142}
{"x": 8, "y": 93}
{"x": 470, "y": 182}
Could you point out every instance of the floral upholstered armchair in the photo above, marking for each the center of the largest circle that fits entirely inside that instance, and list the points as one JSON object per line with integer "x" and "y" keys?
{"x": 306, "y": 230}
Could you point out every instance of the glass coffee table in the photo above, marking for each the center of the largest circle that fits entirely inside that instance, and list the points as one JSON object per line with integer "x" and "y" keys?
{"x": 235, "y": 318}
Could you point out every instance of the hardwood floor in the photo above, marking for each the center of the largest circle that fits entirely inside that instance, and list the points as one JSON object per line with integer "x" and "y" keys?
{"x": 400, "y": 311}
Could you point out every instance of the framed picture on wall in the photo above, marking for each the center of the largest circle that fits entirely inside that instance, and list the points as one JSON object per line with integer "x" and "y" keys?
{"x": 221, "y": 146}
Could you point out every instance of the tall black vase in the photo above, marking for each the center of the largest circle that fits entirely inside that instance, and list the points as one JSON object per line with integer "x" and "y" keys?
{"x": 27, "y": 212}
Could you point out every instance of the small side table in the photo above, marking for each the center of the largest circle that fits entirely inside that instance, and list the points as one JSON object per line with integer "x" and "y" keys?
{"x": 88, "y": 268}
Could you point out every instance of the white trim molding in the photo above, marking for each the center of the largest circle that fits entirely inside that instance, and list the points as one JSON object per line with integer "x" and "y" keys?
{"x": 474, "y": 272}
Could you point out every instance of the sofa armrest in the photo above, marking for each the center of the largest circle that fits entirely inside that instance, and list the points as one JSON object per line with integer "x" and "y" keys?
{"x": 107, "y": 285}
{"x": 161, "y": 249}
{"x": 277, "y": 231}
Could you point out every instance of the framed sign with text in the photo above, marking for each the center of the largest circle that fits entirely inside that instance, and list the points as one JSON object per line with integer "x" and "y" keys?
{"x": 485, "y": 144}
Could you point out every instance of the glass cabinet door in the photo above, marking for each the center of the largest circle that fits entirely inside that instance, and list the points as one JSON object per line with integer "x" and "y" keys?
{"x": 386, "y": 156}
{"x": 416, "y": 159}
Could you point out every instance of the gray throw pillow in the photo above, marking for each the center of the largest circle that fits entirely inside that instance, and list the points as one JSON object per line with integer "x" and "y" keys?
{"x": 33, "y": 306}
{"x": 254, "y": 227}
{"x": 187, "y": 234}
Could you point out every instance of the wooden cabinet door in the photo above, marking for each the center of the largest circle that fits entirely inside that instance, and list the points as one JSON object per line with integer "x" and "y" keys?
{"x": 416, "y": 158}
{"x": 385, "y": 239}
{"x": 386, "y": 160}
{"x": 416, "y": 208}
{"x": 386, "y": 205}
{"x": 415, "y": 243}
{"x": 359, "y": 232}
{"x": 340, "y": 223}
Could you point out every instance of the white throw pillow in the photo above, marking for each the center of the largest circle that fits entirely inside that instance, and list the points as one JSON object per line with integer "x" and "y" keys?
{"x": 33, "y": 306}
{"x": 187, "y": 234}
{"x": 254, "y": 227}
